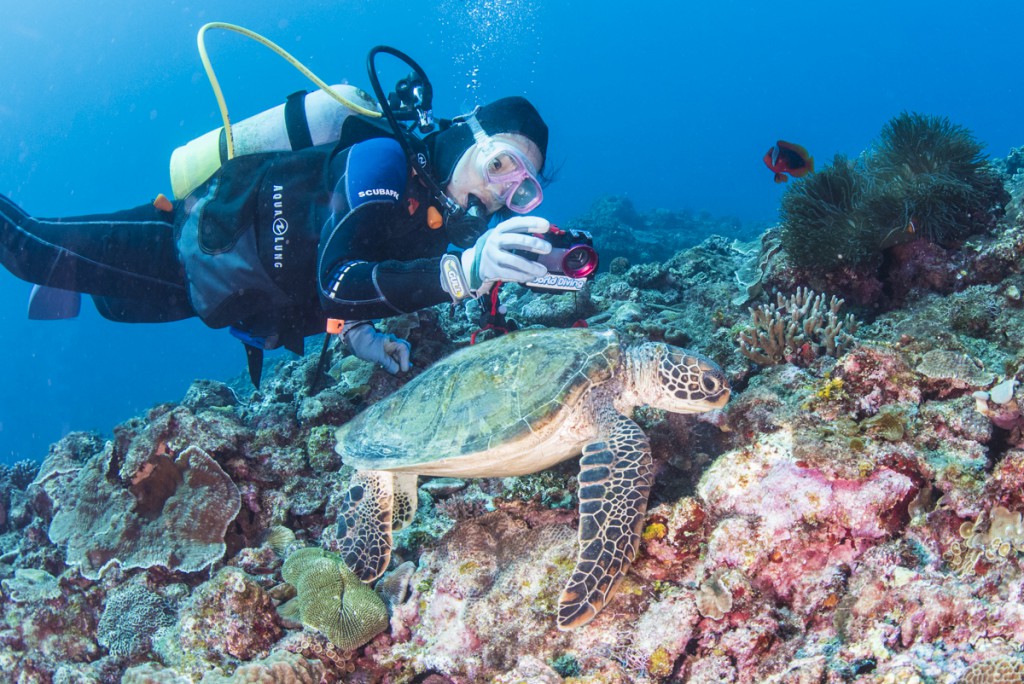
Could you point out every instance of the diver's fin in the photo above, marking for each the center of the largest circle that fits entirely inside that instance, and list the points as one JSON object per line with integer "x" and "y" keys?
{"x": 254, "y": 357}
{"x": 51, "y": 304}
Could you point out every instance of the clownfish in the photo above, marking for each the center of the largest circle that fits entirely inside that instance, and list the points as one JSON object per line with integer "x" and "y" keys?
{"x": 785, "y": 157}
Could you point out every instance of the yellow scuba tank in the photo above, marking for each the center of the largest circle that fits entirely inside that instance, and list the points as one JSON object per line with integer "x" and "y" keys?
{"x": 305, "y": 119}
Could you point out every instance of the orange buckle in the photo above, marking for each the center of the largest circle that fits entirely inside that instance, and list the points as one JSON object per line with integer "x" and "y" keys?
{"x": 335, "y": 326}
{"x": 434, "y": 218}
{"x": 162, "y": 203}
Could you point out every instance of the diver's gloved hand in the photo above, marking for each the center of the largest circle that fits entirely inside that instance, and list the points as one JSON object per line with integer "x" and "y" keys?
{"x": 391, "y": 352}
{"x": 491, "y": 258}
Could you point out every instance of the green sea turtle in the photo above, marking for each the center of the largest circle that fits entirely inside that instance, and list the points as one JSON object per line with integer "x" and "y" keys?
{"x": 516, "y": 405}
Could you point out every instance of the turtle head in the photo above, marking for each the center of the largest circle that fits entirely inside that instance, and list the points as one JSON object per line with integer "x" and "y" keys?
{"x": 676, "y": 379}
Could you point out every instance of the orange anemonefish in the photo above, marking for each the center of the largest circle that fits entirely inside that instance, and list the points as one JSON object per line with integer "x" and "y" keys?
{"x": 785, "y": 157}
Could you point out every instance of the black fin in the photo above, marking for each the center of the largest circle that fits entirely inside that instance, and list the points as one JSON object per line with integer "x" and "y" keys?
{"x": 254, "y": 356}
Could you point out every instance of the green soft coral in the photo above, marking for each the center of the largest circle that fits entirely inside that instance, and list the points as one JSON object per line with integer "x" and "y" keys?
{"x": 331, "y": 600}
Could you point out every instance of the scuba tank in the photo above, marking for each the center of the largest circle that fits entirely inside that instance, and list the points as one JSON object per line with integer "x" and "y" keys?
{"x": 313, "y": 119}
{"x": 304, "y": 120}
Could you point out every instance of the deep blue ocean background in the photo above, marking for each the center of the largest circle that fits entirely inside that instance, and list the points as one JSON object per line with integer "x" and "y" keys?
{"x": 670, "y": 103}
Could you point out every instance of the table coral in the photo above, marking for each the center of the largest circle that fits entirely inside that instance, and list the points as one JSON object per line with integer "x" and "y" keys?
{"x": 950, "y": 371}
{"x": 174, "y": 516}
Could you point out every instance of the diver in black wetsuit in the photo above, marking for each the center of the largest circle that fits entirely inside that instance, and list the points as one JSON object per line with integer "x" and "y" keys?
{"x": 275, "y": 244}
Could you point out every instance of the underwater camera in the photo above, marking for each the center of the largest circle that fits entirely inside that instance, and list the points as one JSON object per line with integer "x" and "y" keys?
{"x": 571, "y": 262}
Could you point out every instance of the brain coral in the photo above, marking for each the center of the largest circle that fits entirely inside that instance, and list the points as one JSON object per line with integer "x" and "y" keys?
{"x": 998, "y": 670}
{"x": 133, "y": 614}
{"x": 331, "y": 599}
{"x": 173, "y": 515}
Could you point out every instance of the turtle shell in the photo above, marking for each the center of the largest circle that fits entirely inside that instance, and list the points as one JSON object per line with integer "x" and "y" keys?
{"x": 507, "y": 390}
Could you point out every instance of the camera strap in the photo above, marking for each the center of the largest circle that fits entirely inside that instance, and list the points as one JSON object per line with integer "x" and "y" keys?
{"x": 494, "y": 319}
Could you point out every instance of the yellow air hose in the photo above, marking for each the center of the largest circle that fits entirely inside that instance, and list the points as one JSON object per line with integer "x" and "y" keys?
{"x": 281, "y": 52}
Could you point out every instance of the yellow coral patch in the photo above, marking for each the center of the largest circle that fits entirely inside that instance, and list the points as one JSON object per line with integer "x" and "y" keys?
{"x": 655, "y": 530}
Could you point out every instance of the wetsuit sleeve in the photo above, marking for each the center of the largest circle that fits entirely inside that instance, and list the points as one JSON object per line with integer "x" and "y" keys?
{"x": 362, "y": 271}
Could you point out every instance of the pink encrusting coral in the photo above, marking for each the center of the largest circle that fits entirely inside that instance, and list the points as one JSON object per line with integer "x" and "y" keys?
{"x": 798, "y": 523}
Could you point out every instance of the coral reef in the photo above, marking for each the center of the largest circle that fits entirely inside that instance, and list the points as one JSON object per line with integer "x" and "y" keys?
{"x": 872, "y": 228}
{"x": 854, "y": 515}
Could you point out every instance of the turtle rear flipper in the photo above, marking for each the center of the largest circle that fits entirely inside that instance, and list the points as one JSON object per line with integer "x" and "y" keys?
{"x": 364, "y": 523}
{"x": 615, "y": 481}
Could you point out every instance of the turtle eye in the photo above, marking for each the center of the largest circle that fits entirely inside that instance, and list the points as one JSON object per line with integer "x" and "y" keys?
{"x": 710, "y": 383}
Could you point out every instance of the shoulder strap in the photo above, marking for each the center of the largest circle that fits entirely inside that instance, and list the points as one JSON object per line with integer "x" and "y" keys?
{"x": 295, "y": 121}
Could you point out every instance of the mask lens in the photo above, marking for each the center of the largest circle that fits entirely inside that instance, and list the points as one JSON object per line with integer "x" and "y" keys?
{"x": 502, "y": 165}
{"x": 525, "y": 197}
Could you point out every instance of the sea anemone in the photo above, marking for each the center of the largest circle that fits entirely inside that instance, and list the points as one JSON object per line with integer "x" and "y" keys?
{"x": 931, "y": 177}
{"x": 924, "y": 177}
{"x": 821, "y": 227}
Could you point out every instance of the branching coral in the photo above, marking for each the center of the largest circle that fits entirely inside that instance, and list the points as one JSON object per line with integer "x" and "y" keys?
{"x": 30, "y": 585}
{"x": 797, "y": 329}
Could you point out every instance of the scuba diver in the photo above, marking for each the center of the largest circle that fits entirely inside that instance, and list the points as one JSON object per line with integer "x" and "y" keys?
{"x": 280, "y": 245}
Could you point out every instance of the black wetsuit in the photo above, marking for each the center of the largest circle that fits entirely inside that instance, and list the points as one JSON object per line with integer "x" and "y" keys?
{"x": 272, "y": 245}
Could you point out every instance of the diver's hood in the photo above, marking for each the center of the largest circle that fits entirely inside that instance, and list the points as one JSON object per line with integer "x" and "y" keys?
{"x": 507, "y": 115}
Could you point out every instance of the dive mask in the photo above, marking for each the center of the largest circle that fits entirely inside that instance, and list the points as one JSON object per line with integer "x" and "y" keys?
{"x": 507, "y": 170}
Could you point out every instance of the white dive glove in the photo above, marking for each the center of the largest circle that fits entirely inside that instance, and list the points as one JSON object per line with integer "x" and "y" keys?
{"x": 391, "y": 352}
{"x": 491, "y": 258}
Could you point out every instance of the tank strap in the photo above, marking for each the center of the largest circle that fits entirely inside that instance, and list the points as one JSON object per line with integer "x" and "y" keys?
{"x": 295, "y": 121}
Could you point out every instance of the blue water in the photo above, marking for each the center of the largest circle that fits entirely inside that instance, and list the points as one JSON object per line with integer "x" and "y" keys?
{"x": 668, "y": 102}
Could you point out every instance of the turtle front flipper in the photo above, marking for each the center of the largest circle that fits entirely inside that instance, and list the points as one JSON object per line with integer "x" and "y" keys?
{"x": 615, "y": 481}
{"x": 406, "y": 499}
{"x": 364, "y": 523}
